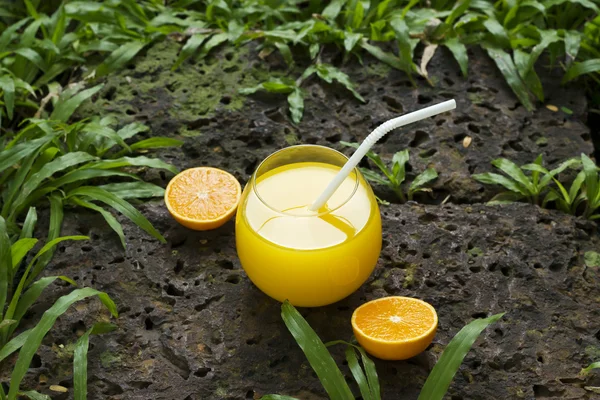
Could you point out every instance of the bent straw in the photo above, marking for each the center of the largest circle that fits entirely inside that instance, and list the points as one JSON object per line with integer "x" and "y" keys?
{"x": 373, "y": 137}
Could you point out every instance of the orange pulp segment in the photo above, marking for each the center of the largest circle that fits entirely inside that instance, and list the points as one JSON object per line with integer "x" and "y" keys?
{"x": 395, "y": 328}
{"x": 203, "y": 198}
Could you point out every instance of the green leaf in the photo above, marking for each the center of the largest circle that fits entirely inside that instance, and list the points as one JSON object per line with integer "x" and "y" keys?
{"x": 491, "y": 178}
{"x": 108, "y": 217}
{"x": 190, "y": 47}
{"x": 505, "y": 64}
{"x": 119, "y": 58}
{"x": 157, "y": 142}
{"x": 585, "y": 3}
{"x": 134, "y": 190}
{"x": 328, "y": 72}
{"x": 459, "y": 9}
{"x": 286, "y": 53}
{"x": 277, "y": 397}
{"x": 442, "y": 374}
{"x": 80, "y": 367}
{"x": 576, "y": 185}
{"x": 317, "y": 354}
{"x": 387, "y": 58}
{"x": 5, "y": 264}
{"x": 7, "y": 85}
{"x": 591, "y": 178}
{"x": 511, "y": 169}
{"x": 59, "y": 164}
{"x": 358, "y": 374}
{"x": 581, "y": 68}
{"x": 399, "y": 166}
{"x": 33, "y": 395}
{"x": 313, "y": 50}
{"x": 234, "y": 30}
{"x": 591, "y": 367}
{"x": 592, "y": 259}
{"x": 428, "y": 175}
{"x": 277, "y": 86}
{"x": 375, "y": 177}
{"x": 213, "y": 42}
{"x": 15, "y": 344}
{"x": 32, "y": 56}
{"x": 296, "y": 103}
{"x": 404, "y": 44}
{"x": 567, "y": 164}
{"x": 46, "y": 253}
{"x": 371, "y": 155}
{"x": 572, "y": 44}
{"x": 497, "y": 31}
{"x": 139, "y": 161}
{"x": 358, "y": 15}
{"x": 333, "y": 9}
{"x": 459, "y": 51}
{"x": 20, "y": 249}
{"x": 33, "y": 293}
{"x": 350, "y": 40}
{"x": 5, "y": 323}
{"x": 29, "y": 224}
{"x": 13, "y": 155}
{"x": 120, "y": 205}
{"x": 65, "y": 108}
{"x": 36, "y": 335}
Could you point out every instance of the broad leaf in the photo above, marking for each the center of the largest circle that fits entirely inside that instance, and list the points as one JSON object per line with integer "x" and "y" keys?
{"x": 296, "y": 103}
{"x": 66, "y": 107}
{"x": 119, "y": 58}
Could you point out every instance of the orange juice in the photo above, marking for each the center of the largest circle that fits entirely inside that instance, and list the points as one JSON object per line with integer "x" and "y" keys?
{"x": 309, "y": 258}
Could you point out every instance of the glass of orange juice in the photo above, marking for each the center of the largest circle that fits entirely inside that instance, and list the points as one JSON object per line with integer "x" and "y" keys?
{"x": 309, "y": 258}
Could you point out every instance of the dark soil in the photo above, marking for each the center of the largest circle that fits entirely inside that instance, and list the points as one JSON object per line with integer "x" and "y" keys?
{"x": 192, "y": 326}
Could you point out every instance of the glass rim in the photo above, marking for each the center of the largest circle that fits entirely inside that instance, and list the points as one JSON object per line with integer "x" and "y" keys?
{"x": 291, "y": 214}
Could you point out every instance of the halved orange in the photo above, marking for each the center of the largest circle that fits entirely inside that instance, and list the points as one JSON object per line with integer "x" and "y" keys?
{"x": 203, "y": 198}
{"x": 395, "y": 328}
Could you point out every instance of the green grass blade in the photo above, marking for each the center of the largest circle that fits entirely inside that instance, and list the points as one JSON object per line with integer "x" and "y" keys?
{"x": 20, "y": 248}
{"x": 591, "y": 178}
{"x": 59, "y": 164}
{"x": 34, "y": 57}
{"x": 80, "y": 367}
{"x": 333, "y": 9}
{"x": 66, "y": 107}
{"x": 188, "y": 50}
{"x": 581, "y": 68}
{"x": 317, "y": 354}
{"x": 134, "y": 190}
{"x": 213, "y": 42}
{"x": 296, "y": 104}
{"x": 277, "y": 397}
{"x": 130, "y": 130}
{"x": 576, "y": 185}
{"x": 399, "y": 161}
{"x": 459, "y": 51}
{"x": 5, "y": 264}
{"x": 33, "y": 395}
{"x": 29, "y": 224}
{"x": 7, "y": 84}
{"x": 54, "y": 228}
{"x": 31, "y": 295}
{"x": 120, "y": 205}
{"x": 511, "y": 169}
{"x": 85, "y": 174}
{"x": 442, "y": 374}
{"x": 155, "y": 143}
{"x": 371, "y": 373}
{"x": 358, "y": 374}
{"x": 495, "y": 179}
{"x": 426, "y": 176}
{"x": 505, "y": 64}
{"x": 591, "y": 367}
{"x": 551, "y": 174}
{"x": 13, "y": 155}
{"x": 108, "y": 217}
{"x": 374, "y": 177}
{"x": 119, "y": 58}
{"x": 36, "y": 335}
{"x": 140, "y": 161}
{"x": 15, "y": 344}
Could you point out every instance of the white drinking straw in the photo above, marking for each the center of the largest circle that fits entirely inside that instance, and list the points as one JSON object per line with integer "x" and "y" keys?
{"x": 377, "y": 134}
